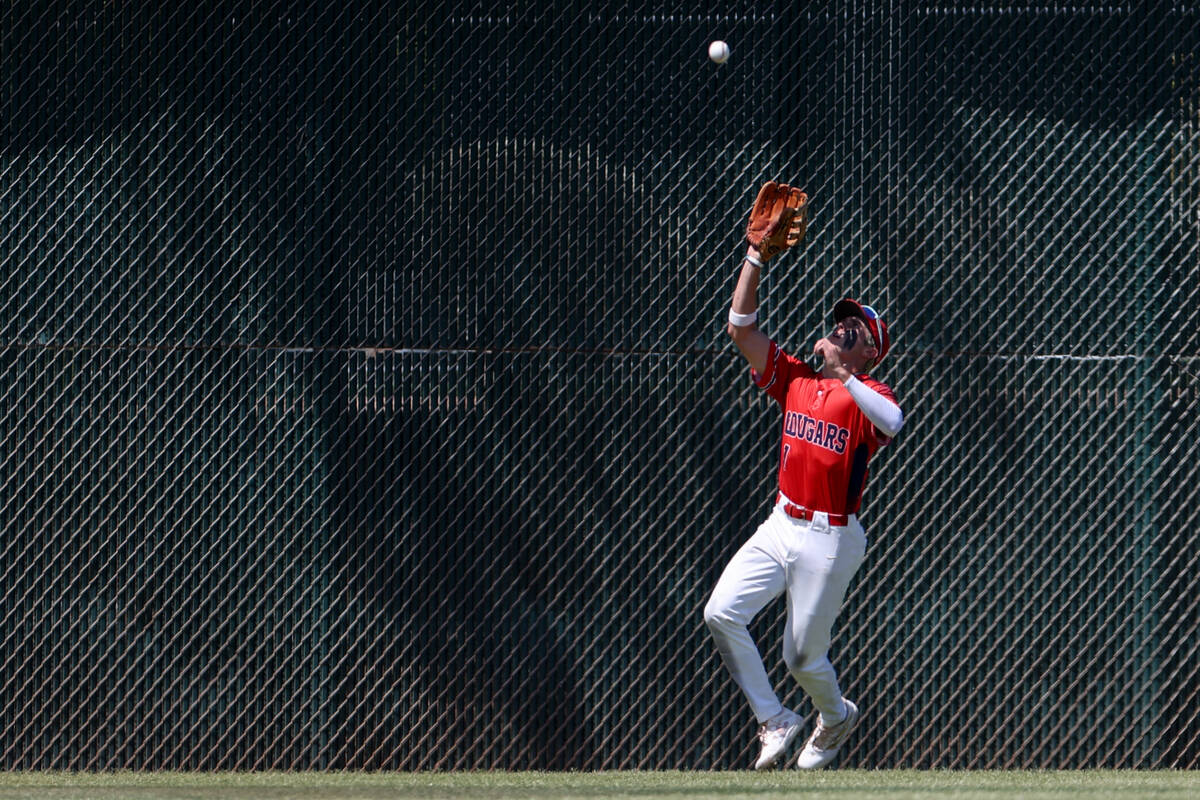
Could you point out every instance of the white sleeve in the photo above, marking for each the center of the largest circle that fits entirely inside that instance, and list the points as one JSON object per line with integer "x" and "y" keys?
{"x": 886, "y": 415}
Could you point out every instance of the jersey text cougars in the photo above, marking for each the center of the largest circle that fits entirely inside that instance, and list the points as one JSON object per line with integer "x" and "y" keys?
{"x": 821, "y": 433}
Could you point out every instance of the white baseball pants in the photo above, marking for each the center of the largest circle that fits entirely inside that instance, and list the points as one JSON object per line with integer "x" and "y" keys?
{"x": 813, "y": 563}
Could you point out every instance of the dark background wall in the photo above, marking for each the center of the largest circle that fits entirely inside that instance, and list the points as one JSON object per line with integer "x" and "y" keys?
{"x": 366, "y": 401}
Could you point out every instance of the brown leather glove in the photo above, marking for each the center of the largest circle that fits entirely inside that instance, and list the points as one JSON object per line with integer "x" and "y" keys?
{"x": 778, "y": 220}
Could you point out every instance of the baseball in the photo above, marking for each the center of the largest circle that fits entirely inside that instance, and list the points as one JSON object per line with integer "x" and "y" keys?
{"x": 718, "y": 51}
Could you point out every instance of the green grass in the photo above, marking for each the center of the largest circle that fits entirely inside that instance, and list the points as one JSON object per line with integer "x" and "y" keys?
{"x": 833, "y": 785}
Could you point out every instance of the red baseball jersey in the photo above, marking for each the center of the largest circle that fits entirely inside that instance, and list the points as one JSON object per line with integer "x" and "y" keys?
{"x": 827, "y": 440}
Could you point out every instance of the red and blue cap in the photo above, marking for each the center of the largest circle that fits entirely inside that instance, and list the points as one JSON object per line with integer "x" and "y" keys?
{"x": 875, "y": 324}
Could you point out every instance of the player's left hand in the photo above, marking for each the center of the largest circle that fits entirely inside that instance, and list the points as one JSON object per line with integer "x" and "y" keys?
{"x": 778, "y": 220}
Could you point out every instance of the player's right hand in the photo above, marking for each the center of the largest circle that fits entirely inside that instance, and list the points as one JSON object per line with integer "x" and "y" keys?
{"x": 831, "y": 356}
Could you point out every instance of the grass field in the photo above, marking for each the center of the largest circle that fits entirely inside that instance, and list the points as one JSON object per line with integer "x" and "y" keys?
{"x": 835, "y": 785}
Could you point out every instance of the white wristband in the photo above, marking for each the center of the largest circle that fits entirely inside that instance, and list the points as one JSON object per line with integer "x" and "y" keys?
{"x": 742, "y": 320}
{"x": 753, "y": 260}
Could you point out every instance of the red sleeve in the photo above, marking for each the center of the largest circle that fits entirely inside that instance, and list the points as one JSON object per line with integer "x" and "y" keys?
{"x": 781, "y": 370}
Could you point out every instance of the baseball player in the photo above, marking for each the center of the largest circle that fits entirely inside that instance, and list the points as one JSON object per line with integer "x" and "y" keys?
{"x": 812, "y": 543}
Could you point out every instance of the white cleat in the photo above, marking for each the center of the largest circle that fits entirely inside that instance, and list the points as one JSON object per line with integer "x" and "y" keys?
{"x": 825, "y": 741}
{"x": 777, "y": 735}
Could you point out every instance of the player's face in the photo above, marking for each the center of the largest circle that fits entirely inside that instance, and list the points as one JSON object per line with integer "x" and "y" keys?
{"x": 853, "y": 337}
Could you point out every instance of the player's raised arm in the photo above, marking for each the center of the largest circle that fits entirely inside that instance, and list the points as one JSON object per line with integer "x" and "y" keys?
{"x": 778, "y": 220}
{"x": 743, "y": 314}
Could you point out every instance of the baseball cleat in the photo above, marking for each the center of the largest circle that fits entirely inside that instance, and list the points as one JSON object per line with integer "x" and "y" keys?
{"x": 826, "y": 740}
{"x": 776, "y": 735}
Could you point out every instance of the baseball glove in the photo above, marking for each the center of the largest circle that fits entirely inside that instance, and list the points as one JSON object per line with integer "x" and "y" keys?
{"x": 778, "y": 220}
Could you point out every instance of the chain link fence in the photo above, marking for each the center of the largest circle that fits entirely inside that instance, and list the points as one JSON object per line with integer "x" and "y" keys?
{"x": 366, "y": 400}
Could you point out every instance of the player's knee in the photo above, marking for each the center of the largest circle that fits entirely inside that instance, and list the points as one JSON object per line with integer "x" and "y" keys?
{"x": 794, "y": 659}
{"x": 807, "y": 665}
{"x": 799, "y": 662}
{"x": 718, "y": 617}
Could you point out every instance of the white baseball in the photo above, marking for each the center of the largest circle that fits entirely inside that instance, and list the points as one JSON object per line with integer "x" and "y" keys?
{"x": 718, "y": 51}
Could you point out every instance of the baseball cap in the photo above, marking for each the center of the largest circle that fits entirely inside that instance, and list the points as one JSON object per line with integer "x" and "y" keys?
{"x": 875, "y": 324}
